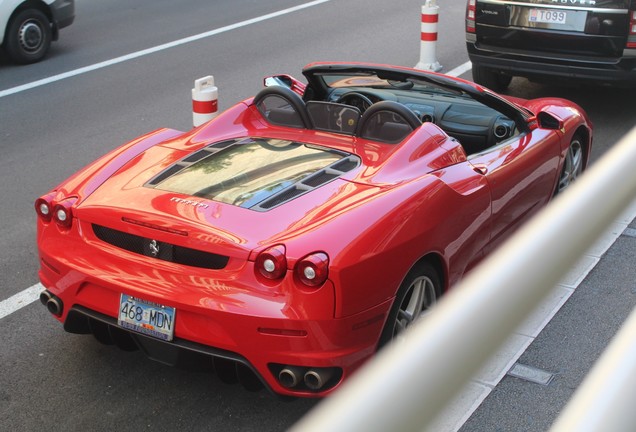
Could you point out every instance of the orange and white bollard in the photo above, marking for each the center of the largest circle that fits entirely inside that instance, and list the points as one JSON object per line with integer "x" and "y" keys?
{"x": 428, "y": 44}
{"x": 205, "y": 100}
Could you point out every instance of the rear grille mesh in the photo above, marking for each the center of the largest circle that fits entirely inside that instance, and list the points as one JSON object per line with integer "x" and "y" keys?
{"x": 160, "y": 250}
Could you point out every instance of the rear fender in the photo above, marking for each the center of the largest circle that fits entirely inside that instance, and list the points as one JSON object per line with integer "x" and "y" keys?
{"x": 87, "y": 180}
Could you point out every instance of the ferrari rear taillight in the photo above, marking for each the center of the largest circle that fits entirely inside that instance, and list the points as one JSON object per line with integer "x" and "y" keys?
{"x": 272, "y": 262}
{"x": 313, "y": 270}
{"x": 60, "y": 212}
{"x": 631, "y": 38}
{"x": 44, "y": 207}
{"x": 63, "y": 215}
{"x": 471, "y": 7}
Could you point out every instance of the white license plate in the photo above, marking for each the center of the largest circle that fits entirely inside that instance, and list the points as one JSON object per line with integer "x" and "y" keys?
{"x": 548, "y": 16}
{"x": 146, "y": 317}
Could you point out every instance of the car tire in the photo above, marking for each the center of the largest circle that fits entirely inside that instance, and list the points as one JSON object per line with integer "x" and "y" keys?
{"x": 491, "y": 79}
{"x": 28, "y": 37}
{"x": 419, "y": 291}
{"x": 572, "y": 165}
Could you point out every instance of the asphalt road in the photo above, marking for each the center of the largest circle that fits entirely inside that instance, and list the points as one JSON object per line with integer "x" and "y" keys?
{"x": 54, "y": 380}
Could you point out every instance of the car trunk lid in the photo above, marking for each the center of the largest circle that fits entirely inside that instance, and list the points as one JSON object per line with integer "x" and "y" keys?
{"x": 211, "y": 202}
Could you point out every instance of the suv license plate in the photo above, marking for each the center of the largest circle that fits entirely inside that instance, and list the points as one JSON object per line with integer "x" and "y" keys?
{"x": 548, "y": 16}
{"x": 145, "y": 317}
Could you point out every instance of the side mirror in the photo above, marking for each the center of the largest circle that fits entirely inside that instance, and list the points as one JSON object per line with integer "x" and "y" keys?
{"x": 549, "y": 121}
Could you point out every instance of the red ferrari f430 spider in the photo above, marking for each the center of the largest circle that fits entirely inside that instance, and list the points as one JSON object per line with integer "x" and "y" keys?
{"x": 289, "y": 238}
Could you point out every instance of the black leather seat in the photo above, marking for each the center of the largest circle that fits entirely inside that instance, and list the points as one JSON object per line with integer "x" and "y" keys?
{"x": 388, "y": 122}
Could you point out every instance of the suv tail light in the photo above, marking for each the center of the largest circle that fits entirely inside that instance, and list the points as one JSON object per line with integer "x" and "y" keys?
{"x": 631, "y": 38}
{"x": 471, "y": 7}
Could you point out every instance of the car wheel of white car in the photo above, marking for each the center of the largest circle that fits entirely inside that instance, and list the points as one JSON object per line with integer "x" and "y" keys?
{"x": 28, "y": 36}
{"x": 572, "y": 166}
{"x": 418, "y": 293}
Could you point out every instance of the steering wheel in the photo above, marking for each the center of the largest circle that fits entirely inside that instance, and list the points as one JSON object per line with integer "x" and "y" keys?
{"x": 355, "y": 99}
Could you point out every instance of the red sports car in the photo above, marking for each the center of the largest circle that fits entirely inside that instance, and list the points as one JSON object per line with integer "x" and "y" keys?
{"x": 288, "y": 239}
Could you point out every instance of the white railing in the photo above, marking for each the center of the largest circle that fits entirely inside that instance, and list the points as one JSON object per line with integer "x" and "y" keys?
{"x": 407, "y": 384}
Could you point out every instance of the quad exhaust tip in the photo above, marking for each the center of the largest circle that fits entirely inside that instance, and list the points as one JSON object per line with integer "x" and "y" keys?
{"x": 290, "y": 376}
{"x": 315, "y": 379}
{"x": 296, "y": 377}
{"x": 53, "y": 303}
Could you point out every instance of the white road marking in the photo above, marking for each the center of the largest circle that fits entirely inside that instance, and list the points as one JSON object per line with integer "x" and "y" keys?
{"x": 155, "y": 49}
{"x": 459, "y": 70}
{"x": 20, "y": 300}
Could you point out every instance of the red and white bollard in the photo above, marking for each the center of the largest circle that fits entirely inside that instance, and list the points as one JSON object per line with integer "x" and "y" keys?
{"x": 205, "y": 100}
{"x": 428, "y": 45}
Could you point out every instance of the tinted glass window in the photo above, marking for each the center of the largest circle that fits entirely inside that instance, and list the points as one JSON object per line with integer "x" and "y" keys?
{"x": 247, "y": 173}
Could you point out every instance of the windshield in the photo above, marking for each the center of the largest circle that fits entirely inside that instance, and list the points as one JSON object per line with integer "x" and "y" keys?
{"x": 371, "y": 80}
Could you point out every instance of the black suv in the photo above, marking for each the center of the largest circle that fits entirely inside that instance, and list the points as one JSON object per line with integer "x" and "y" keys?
{"x": 588, "y": 40}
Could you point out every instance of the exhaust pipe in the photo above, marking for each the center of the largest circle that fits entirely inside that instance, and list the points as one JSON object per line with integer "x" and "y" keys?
{"x": 52, "y": 303}
{"x": 45, "y": 296}
{"x": 315, "y": 379}
{"x": 289, "y": 376}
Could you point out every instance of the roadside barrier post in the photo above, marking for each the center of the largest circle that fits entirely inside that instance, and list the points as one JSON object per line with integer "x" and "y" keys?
{"x": 428, "y": 44}
{"x": 205, "y": 97}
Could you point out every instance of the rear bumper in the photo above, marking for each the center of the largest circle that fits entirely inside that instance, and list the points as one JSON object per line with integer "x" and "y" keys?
{"x": 229, "y": 366}
{"x": 248, "y": 333}
{"x": 63, "y": 12}
{"x": 618, "y": 72}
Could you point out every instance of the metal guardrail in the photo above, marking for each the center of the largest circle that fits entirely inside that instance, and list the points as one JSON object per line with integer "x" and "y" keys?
{"x": 407, "y": 384}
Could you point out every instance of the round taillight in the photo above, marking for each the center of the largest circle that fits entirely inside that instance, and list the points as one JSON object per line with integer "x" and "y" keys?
{"x": 313, "y": 270}
{"x": 272, "y": 262}
{"x": 43, "y": 208}
{"x": 63, "y": 215}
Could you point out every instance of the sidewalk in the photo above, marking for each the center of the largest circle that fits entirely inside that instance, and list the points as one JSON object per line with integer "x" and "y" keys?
{"x": 602, "y": 293}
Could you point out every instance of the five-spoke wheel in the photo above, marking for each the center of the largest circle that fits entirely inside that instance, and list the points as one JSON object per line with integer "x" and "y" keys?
{"x": 418, "y": 293}
{"x": 572, "y": 166}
